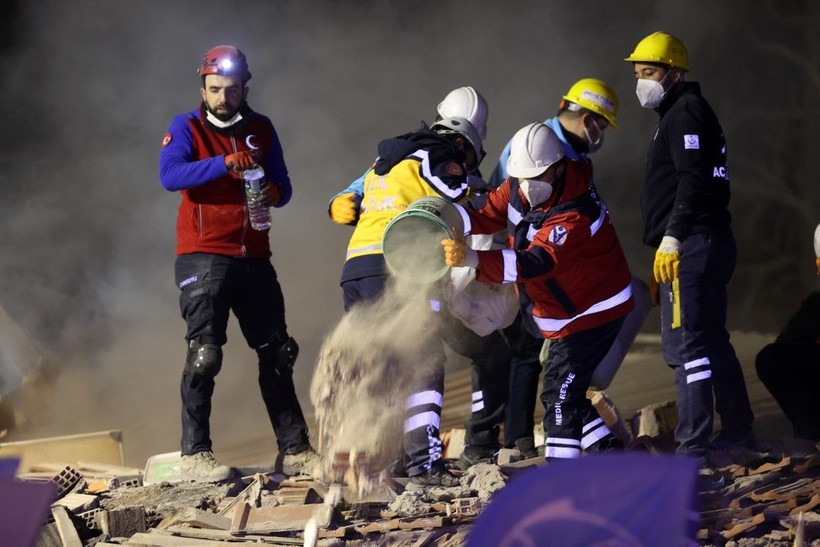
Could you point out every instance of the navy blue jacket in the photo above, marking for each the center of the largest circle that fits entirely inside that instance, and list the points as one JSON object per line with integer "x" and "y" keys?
{"x": 686, "y": 185}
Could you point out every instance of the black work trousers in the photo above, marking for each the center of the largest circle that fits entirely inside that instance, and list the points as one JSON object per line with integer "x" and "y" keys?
{"x": 696, "y": 344}
{"x": 490, "y": 372}
{"x": 525, "y": 368}
{"x": 422, "y": 423}
{"x": 211, "y": 286}
{"x": 571, "y": 423}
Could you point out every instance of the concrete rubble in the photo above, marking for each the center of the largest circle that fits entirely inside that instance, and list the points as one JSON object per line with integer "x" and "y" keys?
{"x": 754, "y": 499}
{"x": 764, "y": 497}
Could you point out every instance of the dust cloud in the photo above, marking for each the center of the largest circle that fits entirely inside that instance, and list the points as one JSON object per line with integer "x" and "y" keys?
{"x": 89, "y": 88}
{"x": 383, "y": 348}
{"x": 367, "y": 367}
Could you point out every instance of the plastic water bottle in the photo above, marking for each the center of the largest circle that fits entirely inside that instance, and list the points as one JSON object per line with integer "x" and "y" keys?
{"x": 258, "y": 212}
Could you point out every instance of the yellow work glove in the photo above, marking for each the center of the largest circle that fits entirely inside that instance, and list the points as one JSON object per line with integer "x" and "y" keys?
{"x": 667, "y": 260}
{"x": 458, "y": 253}
{"x": 344, "y": 208}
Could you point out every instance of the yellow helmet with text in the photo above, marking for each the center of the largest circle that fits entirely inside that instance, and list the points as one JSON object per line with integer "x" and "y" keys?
{"x": 661, "y": 47}
{"x": 596, "y": 96}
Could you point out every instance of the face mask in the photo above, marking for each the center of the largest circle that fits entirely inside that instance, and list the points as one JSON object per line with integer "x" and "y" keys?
{"x": 537, "y": 191}
{"x": 594, "y": 146}
{"x": 650, "y": 93}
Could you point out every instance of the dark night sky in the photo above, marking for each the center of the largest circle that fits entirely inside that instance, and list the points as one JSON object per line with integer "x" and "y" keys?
{"x": 86, "y": 257}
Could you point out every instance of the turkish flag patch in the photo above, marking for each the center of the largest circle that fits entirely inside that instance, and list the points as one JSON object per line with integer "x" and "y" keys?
{"x": 166, "y": 140}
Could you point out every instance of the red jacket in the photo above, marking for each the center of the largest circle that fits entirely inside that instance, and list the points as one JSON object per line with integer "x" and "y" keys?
{"x": 564, "y": 255}
{"x": 212, "y": 216}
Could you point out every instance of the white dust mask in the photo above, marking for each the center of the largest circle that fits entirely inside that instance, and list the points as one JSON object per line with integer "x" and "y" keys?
{"x": 594, "y": 146}
{"x": 650, "y": 93}
{"x": 536, "y": 191}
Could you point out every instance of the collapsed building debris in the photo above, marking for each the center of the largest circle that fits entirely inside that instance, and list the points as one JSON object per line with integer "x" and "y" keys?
{"x": 764, "y": 496}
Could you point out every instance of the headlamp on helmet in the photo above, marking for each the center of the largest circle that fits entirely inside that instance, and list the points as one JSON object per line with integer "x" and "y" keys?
{"x": 225, "y": 61}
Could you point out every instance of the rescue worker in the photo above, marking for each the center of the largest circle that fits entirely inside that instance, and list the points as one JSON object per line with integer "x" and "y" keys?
{"x": 572, "y": 277}
{"x": 223, "y": 265}
{"x": 489, "y": 355}
{"x": 587, "y": 109}
{"x": 431, "y": 161}
{"x": 790, "y": 366}
{"x": 462, "y": 102}
{"x": 684, "y": 207}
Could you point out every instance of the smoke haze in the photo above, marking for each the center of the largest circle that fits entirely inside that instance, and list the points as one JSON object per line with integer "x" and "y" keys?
{"x": 89, "y": 88}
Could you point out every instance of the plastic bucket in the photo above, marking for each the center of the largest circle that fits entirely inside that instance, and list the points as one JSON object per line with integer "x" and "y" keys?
{"x": 412, "y": 240}
{"x": 163, "y": 468}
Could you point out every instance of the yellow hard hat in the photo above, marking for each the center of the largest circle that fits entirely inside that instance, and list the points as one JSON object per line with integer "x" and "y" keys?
{"x": 661, "y": 47}
{"x": 596, "y": 96}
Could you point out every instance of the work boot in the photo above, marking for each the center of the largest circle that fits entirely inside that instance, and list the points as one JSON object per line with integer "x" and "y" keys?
{"x": 610, "y": 443}
{"x": 723, "y": 441}
{"x": 436, "y": 476}
{"x": 203, "y": 467}
{"x": 526, "y": 447}
{"x": 708, "y": 477}
{"x": 306, "y": 462}
{"x": 476, "y": 454}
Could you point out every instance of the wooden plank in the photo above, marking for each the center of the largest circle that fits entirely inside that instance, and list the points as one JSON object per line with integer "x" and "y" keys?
{"x": 379, "y": 526}
{"x": 163, "y": 540}
{"x": 101, "y": 446}
{"x": 240, "y": 518}
{"x": 744, "y": 525}
{"x": 251, "y": 492}
{"x": 99, "y": 469}
{"x": 423, "y": 522}
{"x": 191, "y": 516}
{"x": 287, "y": 518}
{"x": 220, "y": 535}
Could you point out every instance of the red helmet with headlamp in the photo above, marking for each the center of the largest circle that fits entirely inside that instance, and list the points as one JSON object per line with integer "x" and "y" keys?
{"x": 225, "y": 61}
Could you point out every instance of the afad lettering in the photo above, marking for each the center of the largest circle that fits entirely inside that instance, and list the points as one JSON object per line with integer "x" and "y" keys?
{"x": 720, "y": 173}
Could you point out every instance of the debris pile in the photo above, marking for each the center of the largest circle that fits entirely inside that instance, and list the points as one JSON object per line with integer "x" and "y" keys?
{"x": 755, "y": 497}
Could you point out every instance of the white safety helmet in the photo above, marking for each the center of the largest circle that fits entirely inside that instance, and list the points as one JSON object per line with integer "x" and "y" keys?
{"x": 534, "y": 149}
{"x": 817, "y": 241}
{"x": 467, "y": 103}
{"x": 462, "y": 127}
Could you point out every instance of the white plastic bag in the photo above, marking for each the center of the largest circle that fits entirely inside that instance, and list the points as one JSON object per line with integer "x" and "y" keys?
{"x": 482, "y": 307}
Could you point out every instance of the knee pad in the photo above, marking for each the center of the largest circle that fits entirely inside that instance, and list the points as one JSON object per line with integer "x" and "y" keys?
{"x": 204, "y": 359}
{"x": 279, "y": 355}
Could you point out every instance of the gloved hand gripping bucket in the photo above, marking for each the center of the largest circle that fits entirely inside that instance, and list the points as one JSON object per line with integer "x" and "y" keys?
{"x": 412, "y": 240}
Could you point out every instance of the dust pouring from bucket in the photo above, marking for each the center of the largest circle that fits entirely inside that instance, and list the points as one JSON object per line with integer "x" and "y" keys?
{"x": 368, "y": 365}
{"x": 377, "y": 353}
